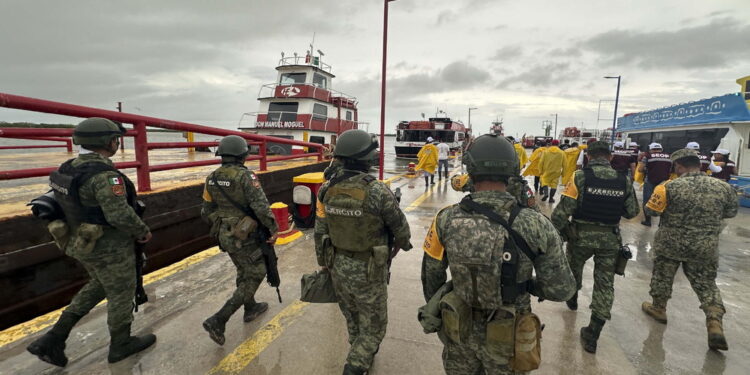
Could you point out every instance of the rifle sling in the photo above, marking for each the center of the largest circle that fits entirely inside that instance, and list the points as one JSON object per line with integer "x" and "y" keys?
{"x": 492, "y": 215}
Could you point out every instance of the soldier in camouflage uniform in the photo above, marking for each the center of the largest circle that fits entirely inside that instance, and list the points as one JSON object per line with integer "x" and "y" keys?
{"x": 691, "y": 208}
{"x": 230, "y": 192}
{"x": 355, "y": 217}
{"x": 476, "y": 250}
{"x": 99, "y": 204}
{"x": 596, "y": 198}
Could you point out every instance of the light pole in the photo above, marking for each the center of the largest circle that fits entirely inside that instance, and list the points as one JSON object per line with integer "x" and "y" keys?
{"x": 555, "y": 134}
{"x": 382, "y": 88}
{"x": 470, "y": 109}
{"x": 617, "y": 100}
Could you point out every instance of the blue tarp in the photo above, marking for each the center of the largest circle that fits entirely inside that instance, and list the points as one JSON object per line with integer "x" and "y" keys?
{"x": 720, "y": 109}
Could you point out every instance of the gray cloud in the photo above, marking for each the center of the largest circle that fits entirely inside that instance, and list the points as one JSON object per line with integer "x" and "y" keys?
{"x": 445, "y": 17}
{"x": 713, "y": 45}
{"x": 508, "y": 53}
{"x": 542, "y": 75}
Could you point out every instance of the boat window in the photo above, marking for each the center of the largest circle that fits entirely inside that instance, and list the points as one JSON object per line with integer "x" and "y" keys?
{"x": 461, "y": 137}
{"x": 446, "y": 136}
{"x": 672, "y": 141}
{"x": 317, "y": 139}
{"x": 293, "y": 78}
{"x": 320, "y": 112}
{"x": 348, "y": 115}
{"x": 281, "y": 111}
{"x": 320, "y": 80}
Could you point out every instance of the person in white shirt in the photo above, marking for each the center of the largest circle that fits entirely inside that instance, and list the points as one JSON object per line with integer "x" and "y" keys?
{"x": 443, "y": 151}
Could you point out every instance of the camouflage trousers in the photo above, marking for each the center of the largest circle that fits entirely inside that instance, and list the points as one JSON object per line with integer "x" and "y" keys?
{"x": 111, "y": 269}
{"x": 603, "y": 295}
{"x": 250, "y": 273}
{"x": 700, "y": 274}
{"x": 473, "y": 357}
{"x": 364, "y": 303}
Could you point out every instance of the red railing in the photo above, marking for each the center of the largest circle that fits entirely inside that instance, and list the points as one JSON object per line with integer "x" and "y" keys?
{"x": 140, "y": 135}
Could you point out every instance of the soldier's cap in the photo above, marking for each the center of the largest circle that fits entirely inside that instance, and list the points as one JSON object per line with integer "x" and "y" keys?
{"x": 655, "y": 146}
{"x": 693, "y": 146}
{"x": 722, "y": 151}
{"x": 598, "y": 147}
{"x": 683, "y": 153}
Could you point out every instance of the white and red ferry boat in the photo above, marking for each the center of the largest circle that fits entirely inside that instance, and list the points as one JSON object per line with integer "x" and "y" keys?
{"x": 302, "y": 105}
{"x": 412, "y": 135}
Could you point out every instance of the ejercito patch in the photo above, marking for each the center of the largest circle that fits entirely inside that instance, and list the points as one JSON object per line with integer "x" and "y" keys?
{"x": 118, "y": 190}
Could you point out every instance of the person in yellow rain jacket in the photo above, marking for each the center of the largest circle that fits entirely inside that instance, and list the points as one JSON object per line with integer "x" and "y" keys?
{"x": 520, "y": 151}
{"x": 428, "y": 161}
{"x": 534, "y": 167}
{"x": 553, "y": 160}
{"x": 571, "y": 158}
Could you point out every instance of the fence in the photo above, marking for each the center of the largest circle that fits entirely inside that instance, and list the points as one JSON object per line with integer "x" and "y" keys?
{"x": 142, "y": 146}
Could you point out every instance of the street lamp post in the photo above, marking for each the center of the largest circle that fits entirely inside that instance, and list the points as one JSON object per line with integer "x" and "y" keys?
{"x": 555, "y": 134}
{"x": 470, "y": 109}
{"x": 382, "y": 88}
{"x": 617, "y": 100}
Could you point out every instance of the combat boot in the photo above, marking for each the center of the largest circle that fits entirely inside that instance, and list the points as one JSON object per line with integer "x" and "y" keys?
{"x": 716, "y": 339}
{"x": 656, "y": 310}
{"x": 354, "y": 370}
{"x": 50, "y": 347}
{"x": 573, "y": 302}
{"x": 646, "y": 221}
{"x": 252, "y": 311}
{"x": 215, "y": 326}
{"x": 123, "y": 345}
{"x": 590, "y": 334}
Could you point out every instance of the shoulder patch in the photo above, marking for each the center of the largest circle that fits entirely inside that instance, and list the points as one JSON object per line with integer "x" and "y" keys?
{"x": 118, "y": 190}
{"x": 658, "y": 201}
{"x": 320, "y": 209}
{"x": 206, "y": 195}
{"x": 571, "y": 190}
{"x": 432, "y": 245}
{"x": 115, "y": 180}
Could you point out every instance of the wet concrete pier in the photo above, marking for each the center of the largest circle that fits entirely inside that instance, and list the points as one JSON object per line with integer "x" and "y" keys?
{"x": 299, "y": 338}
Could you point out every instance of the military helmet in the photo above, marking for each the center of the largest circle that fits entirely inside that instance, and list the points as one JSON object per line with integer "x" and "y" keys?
{"x": 356, "y": 144}
{"x": 491, "y": 155}
{"x": 96, "y": 131}
{"x": 232, "y": 145}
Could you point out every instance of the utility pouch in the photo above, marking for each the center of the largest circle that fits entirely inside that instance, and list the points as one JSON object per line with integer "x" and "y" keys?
{"x": 500, "y": 333}
{"x": 244, "y": 227}
{"x": 86, "y": 237}
{"x": 527, "y": 349}
{"x": 60, "y": 232}
{"x": 622, "y": 260}
{"x": 376, "y": 268}
{"x": 328, "y": 251}
{"x": 456, "y": 316}
{"x": 215, "y": 221}
{"x": 380, "y": 255}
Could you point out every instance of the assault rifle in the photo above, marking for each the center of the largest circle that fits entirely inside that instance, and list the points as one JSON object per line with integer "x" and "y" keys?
{"x": 140, "y": 262}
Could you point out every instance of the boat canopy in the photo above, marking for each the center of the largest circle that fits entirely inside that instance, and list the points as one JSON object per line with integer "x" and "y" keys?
{"x": 716, "y": 110}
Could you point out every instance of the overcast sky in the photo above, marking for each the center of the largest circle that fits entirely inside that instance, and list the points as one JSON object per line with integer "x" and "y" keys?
{"x": 204, "y": 61}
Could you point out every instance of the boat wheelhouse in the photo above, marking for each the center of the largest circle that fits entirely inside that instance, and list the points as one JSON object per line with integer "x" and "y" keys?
{"x": 718, "y": 122}
{"x": 412, "y": 135}
{"x": 302, "y": 105}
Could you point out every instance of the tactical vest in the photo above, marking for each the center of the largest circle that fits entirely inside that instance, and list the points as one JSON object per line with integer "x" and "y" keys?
{"x": 350, "y": 225}
{"x": 66, "y": 182}
{"x": 483, "y": 268}
{"x": 658, "y": 168}
{"x": 228, "y": 176}
{"x": 602, "y": 199}
{"x": 705, "y": 161}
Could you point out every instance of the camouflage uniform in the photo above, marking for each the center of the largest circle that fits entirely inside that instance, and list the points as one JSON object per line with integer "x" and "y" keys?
{"x": 244, "y": 188}
{"x": 111, "y": 264}
{"x": 593, "y": 238}
{"x": 554, "y": 281}
{"x": 691, "y": 208}
{"x": 360, "y": 284}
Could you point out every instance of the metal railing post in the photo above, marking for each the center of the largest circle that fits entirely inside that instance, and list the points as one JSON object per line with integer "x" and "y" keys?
{"x": 320, "y": 153}
{"x": 141, "y": 156}
{"x": 263, "y": 156}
